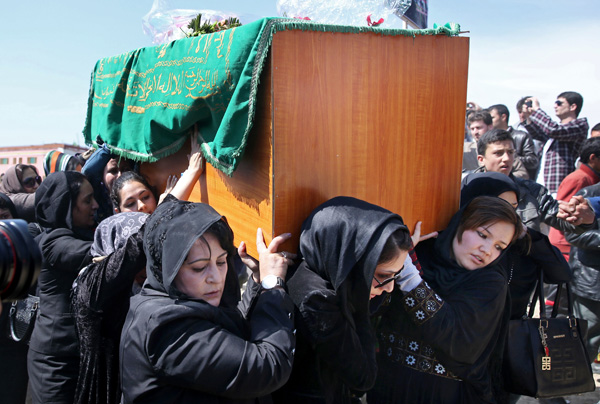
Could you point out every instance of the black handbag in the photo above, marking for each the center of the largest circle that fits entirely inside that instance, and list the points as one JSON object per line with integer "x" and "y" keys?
{"x": 21, "y": 318}
{"x": 546, "y": 357}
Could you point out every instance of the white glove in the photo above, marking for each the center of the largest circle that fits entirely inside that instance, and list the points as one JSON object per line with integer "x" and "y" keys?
{"x": 409, "y": 277}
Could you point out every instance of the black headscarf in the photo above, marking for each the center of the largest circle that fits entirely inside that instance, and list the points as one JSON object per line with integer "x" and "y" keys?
{"x": 441, "y": 269}
{"x": 343, "y": 239}
{"x": 489, "y": 183}
{"x": 169, "y": 235}
{"x": 54, "y": 200}
{"x": 8, "y": 203}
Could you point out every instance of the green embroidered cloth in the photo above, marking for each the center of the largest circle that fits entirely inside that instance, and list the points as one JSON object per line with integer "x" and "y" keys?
{"x": 143, "y": 103}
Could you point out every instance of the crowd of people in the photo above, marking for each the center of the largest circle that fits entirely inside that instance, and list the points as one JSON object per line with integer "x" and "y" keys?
{"x": 145, "y": 299}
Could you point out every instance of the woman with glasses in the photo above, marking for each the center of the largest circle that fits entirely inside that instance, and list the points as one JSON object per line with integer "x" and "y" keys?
{"x": 19, "y": 183}
{"x": 351, "y": 251}
{"x": 440, "y": 332}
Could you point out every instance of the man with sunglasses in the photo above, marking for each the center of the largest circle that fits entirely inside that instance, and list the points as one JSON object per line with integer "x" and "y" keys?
{"x": 562, "y": 140}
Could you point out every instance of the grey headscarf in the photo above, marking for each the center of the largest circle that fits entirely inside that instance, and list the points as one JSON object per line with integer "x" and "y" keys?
{"x": 112, "y": 233}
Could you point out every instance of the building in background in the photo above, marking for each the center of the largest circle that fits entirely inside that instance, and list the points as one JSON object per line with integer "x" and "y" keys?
{"x": 33, "y": 155}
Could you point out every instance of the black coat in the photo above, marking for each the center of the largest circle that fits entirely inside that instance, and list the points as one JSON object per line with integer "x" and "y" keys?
{"x": 53, "y": 357}
{"x": 335, "y": 352}
{"x": 63, "y": 254}
{"x": 184, "y": 351}
{"x": 585, "y": 256}
{"x": 180, "y": 349}
{"x": 525, "y": 149}
{"x": 524, "y": 263}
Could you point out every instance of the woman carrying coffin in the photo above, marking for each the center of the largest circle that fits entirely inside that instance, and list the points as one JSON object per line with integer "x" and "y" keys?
{"x": 185, "y": 338}
{"x": 440, "y": 330}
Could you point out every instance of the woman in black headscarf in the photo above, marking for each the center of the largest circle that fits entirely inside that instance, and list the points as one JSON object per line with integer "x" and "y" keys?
{"x": 100, "y": 303}
{"x": 530, "y": 254}
{"x": 184, "y": 340}
{"x": 65, "y": 209}
{"x": 438, "y": 334}
{"x": 351, "y": 250}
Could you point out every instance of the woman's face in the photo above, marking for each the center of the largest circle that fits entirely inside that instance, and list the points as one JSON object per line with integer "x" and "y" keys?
{"x": 202, "y": 275}
{"x": 85, "y": 207}
{"x": 30, "y": 180}
{"x": 135, "y": 197}
{"x": 112, "y": 171}
{"x": 385, "y": 271}
{"x": 479, "y": 247}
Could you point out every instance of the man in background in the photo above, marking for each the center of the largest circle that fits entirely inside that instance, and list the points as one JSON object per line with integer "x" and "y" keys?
{"x": 562, "y": 140}
{"x": 478, "y": 122}
{"x": 524, "y": 146}
{"x": 595, "y": 132}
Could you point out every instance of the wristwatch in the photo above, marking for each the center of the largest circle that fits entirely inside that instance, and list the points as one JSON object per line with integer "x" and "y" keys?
{"x": 272, "y": 281}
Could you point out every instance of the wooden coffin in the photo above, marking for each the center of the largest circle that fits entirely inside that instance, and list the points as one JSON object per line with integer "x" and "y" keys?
{"x": 380, "y": 118}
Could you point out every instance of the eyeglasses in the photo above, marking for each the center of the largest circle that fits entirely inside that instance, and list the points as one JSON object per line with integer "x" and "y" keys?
{"x": 388, "y": 280}
{"x": 30, "y": 182}
{"x": 558, "y": 102}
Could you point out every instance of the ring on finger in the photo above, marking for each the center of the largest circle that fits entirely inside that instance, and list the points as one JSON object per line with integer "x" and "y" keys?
{"x": 283, "y": 254}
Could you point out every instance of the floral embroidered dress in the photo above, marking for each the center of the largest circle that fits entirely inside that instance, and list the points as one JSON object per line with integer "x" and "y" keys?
{"x": 439, "y": 342}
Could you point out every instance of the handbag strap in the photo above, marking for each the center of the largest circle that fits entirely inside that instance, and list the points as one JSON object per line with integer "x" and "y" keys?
{"x": 569, "y": 300}
{"x": 533, "y": 302}
{"x": 538, "y": 296}
{"x": 557, "y": 299}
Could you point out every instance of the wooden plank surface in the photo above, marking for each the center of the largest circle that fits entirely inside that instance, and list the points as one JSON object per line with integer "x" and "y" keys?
{"x": 376, "y": 117}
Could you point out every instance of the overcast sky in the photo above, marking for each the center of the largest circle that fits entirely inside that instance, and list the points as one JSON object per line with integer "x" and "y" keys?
{"x": 525, "y": 47}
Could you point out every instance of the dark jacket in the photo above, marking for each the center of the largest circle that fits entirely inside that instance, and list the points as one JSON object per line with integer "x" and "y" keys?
{"x": 180, "y": 349}
{"x": 186, "y": 355}
{"x": 585, "y": 256}
{"x": 525, "y": 149}
{"x": 524, "y": 261}
{"x": 53, "y": 350}
{"x": 63, "y": 254}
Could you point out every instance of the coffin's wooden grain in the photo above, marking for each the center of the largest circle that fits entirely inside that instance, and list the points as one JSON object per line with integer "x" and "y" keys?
{"x": 377, "y": 117}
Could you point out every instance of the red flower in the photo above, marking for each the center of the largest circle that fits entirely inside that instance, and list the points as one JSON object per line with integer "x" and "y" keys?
{"x": 373, "y": 23}
{"x": 302, "y": 18}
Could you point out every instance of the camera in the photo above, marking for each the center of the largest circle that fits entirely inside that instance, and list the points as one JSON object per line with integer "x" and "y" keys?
{"x": 529, "y": 103}
{"x": 20, "y": 260}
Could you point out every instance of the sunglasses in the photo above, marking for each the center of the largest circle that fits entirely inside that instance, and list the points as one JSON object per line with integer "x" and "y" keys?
{"x": 558, "y": 102}
{"x": 30, "y": 182}
{"x": 388, "y": 280}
